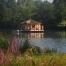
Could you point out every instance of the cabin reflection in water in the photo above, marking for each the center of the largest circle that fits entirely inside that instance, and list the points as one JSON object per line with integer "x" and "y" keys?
{"x": 32, "y": 35}
{"x": 31, "y": 25}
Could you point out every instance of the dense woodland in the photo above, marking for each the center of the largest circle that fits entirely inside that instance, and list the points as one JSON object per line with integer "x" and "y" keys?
{"x": 13, "y": 12}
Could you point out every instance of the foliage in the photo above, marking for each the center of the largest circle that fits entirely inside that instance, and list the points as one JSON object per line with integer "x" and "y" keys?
{"x": 48, "y": 50}
{"x": 60, "y": 10}
{"x": 4, "y": 43}
{"x": 25, "y": 46}
{"x": 12, "y": 12}
{"x": 38, "y": 60}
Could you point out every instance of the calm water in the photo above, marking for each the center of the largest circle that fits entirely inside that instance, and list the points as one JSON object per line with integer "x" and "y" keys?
{"x": 56, "y": 40}
{"x": 48, "y": 39}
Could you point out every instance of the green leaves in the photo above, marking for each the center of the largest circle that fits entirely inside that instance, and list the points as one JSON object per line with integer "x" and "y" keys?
{"x": 4, "y": 43}
{"x": 60, "y": 9}
{"x": 16, "y": 12}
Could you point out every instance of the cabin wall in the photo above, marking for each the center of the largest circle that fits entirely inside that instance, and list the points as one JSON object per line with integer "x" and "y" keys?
{"x": 32, "y": 27}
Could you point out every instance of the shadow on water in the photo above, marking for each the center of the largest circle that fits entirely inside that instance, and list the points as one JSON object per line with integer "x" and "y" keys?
{"x": 56, "y": 34}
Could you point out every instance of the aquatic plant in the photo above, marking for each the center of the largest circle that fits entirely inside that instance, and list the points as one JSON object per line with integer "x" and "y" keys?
{"x": 48, "y": 50}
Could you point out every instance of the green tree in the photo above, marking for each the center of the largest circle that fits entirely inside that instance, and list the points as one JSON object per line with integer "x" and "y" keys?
{"x": 45, "y": 12}
{"x": 28, "y": 8}
{"x": 2, "y": 8}
{"x": 60, "y": 10}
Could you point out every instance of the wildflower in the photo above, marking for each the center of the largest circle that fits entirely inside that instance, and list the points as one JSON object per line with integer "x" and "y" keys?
{"x": 1, "y": 56}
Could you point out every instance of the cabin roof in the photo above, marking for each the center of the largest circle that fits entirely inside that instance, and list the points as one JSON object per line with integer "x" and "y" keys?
{"x": 31, "y": 21}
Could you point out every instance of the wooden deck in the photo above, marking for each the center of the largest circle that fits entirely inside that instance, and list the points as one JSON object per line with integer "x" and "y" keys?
{"x": 32, "y": 31}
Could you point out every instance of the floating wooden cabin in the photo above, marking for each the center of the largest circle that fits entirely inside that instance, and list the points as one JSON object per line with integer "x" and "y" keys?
{"x": 31, "y": 26}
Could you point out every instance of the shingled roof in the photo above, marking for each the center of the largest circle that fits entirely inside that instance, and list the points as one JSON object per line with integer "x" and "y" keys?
{"x": 31, "y": 21}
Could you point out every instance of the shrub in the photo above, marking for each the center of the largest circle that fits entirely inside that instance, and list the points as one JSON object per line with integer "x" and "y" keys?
{"x": 36, "y": 50}
{"x": 25, "y": 46}
{"x": 3, "y": 43}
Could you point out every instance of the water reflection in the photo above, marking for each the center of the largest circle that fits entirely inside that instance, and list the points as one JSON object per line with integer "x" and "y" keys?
{"x": 32, "y": 35}
{"x": 55, "y": 34}
{"x": 50, "y": 39}
{"x": 48, "y": 34}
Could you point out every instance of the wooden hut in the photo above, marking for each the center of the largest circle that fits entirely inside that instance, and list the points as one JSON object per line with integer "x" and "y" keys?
{"x": 31, "y": 25}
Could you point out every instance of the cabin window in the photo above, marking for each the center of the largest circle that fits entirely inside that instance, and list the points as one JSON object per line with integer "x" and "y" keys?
{"x": 33, "y": 26}
{"x": 36, "y": 28}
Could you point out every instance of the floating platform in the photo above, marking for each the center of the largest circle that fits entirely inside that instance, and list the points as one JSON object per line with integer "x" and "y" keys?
{"x": 32, "y": 31}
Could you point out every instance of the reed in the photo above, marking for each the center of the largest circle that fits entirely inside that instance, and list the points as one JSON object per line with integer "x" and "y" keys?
{"x": 47, "y": 59}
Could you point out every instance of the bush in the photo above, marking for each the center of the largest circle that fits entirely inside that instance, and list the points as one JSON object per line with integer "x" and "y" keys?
{"x": 36, "y": 50}
{"x": 3, "y": 43}
{"x": 25, "y": 46}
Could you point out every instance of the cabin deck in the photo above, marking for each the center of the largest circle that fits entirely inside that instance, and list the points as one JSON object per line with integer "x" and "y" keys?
{"x": 32, "y": 31}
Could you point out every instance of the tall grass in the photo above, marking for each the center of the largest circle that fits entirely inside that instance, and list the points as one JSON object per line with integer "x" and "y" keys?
{"x": 38, "y": 60}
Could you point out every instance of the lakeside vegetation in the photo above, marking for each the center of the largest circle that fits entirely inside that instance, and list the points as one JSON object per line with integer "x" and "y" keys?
{"x": 41, "y": 60}
{"x": 26, "y": 59}
{"x": 30, "y": 55}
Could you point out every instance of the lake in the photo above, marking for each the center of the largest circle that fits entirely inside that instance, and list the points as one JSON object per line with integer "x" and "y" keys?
{"x": 47, "y": 39}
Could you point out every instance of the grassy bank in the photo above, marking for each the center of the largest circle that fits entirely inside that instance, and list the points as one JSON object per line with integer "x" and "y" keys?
{"x": 53, "y": 59}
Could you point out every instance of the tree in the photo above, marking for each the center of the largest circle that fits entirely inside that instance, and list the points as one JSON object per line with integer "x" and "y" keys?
{"x": 12, "y": 12}
{"x": 60, "y": 10}
{"x": 28, "y": 8}
{"x": 8, "y": 13}
{"x": 45, "y": 12}
{"x": 2, "y": 7}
